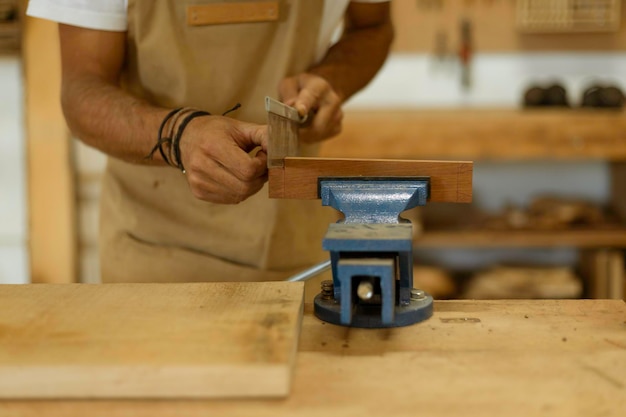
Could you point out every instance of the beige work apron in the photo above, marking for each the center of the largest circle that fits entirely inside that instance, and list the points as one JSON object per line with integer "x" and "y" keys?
{"x": 152, "y": 229}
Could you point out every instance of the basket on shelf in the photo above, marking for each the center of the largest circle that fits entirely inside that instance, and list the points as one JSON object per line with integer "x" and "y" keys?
{"x": 536, "y": 16}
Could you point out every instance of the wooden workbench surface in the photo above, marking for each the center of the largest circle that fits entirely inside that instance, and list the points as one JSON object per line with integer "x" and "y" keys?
{"x": 472, "y": 358}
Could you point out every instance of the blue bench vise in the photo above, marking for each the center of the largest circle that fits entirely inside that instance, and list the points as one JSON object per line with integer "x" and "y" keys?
{"x": 371, "y": 253}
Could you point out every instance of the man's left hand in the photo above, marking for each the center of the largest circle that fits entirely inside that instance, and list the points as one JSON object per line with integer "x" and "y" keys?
{"x": 313, "y": 95}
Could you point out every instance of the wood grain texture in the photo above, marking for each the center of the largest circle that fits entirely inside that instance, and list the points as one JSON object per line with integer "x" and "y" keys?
{"x": 203, "y": 340}
{"x": 481, "y": 134}
{"x": 472, "y": 358}
{"x": 298, "y": 179}
{"x": 51, "y": 188}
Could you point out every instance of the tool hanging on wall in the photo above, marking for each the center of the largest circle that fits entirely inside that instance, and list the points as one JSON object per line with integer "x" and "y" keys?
{"x": 443, "y": 58}
{"x": 465, "y": 53}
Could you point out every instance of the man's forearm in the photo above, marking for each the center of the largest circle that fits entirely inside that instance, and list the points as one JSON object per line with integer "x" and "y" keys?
{"x": 353, "y": 61}
{"x": 104, "y": 116}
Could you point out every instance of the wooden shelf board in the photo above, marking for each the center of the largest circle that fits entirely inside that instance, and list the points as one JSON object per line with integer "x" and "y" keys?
{"x": 481, "y": 134}
{"x": 590, "y": 238}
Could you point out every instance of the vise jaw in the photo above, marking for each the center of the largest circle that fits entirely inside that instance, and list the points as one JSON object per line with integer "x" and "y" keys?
{"x": 371, "y": 253}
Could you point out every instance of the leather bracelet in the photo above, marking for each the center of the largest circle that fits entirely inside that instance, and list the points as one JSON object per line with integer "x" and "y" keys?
{"x": 179, "y": 134}
{"x": 160, "y": 139}
{"x": 174, "y": 122}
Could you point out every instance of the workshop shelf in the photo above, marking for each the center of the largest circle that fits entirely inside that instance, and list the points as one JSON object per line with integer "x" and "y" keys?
{"x": 482, "y": 134}
{"x": 9, "y": 36}
{"x": 578, "y": 238}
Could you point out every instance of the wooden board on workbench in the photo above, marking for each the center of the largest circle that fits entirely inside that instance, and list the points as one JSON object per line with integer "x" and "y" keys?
{"x": 450, "y": 181}
{"x": 201, "y": 340}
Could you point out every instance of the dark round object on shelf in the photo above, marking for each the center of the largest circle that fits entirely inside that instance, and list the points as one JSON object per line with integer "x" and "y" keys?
{"x": 611, "y": 97}
{"x": 592, "y": 96}
{"x": 603, "y": 97}
{"x": 556, "y": 95}
{"x": 535, "y": 96}
{"x": 553, "y": 95}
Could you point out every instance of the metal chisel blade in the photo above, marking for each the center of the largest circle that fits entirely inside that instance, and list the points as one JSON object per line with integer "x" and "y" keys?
{"x": 283, "y": 124}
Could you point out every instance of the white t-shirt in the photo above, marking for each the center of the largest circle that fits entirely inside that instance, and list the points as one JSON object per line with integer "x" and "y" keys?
{"x": 111, "y": 15}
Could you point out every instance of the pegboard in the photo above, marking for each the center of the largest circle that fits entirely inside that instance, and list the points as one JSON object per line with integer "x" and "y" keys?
{"x": 435, "y": 26}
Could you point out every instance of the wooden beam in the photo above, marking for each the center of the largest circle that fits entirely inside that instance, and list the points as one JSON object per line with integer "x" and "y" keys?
{"x": 449, "y": 181}
{"x": 52, "y": 205}
{"x": 618, "y": 189}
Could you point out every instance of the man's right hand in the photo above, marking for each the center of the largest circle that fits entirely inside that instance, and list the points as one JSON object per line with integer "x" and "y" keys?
{"x": 215, "y": 152}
